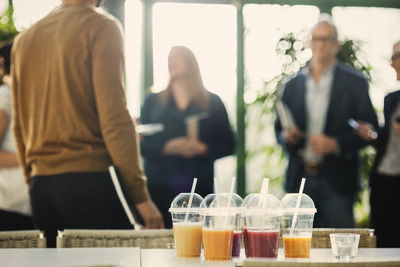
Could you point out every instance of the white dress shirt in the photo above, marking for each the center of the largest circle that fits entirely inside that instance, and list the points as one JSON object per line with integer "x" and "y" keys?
{"x": 317, "y": 102}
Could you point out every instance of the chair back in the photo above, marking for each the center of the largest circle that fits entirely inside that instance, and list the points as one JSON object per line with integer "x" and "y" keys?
{"x": 115, "y": 238}
{"x": 22, "y": 239}
{"x": 320, "y": 237}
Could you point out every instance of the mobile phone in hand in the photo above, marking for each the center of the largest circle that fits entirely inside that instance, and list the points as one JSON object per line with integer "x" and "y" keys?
{"x": 355, "y": 125}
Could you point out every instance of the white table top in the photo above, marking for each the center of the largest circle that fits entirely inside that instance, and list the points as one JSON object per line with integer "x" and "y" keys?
{"x": 135, "y": 257}
{"x": 167, "y": 258}
{"x": 70, "y": 257}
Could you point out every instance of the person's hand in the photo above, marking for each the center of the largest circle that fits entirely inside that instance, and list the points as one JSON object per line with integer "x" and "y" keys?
{"x": 323, "y": 144}
{"x": 151, "y": 215}
{"x": 293, "y": 135}
{"x": 194, "y": 148}
{"x": 185, "y": 147}
{"x": 366, "y": 131}
{"x": 397, "y": 127}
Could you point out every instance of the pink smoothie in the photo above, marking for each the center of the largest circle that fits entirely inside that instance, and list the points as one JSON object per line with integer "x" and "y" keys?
{"x": 261, "y": 243}
{"x": 237, "y": 240}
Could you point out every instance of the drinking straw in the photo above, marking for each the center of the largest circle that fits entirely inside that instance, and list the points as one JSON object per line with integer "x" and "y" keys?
{"x": 296, "y": 210}
{"x": 231, "y": 190}
{"x": 232, "y": 185}
{"x": 264, "y": 190}
{"x": 230, "y": 198}
{"x": 264, "y": 193}
{"x": 190, "y": 199}
{"x": 216, "y": 191}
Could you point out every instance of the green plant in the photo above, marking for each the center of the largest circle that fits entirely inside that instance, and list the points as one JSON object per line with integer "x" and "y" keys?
{"x": 294, "y": 54}
{"x": 292, "y": 51}
{"x": 7, "y": 27}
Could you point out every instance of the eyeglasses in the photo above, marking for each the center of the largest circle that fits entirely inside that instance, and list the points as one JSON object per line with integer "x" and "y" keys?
{"x": 395, "y": 57}
{"x": 315, "y": 39}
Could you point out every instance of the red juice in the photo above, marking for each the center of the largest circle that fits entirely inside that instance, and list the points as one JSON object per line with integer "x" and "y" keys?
{"x": 237, "y": 240}
{"x": 261, "y": 243}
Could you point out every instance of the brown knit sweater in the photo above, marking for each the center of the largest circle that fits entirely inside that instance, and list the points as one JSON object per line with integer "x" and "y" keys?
{"x": 69, "y": 104}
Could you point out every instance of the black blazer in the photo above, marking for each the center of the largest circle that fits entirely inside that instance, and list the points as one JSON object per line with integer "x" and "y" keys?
{"x": 390, "y": 103}
{"x": 349, "y": 99}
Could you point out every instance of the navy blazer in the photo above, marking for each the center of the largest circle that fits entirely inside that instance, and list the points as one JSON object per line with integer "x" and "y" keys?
{"x": 349, "y": 99}
{"x": 390, "y": 103}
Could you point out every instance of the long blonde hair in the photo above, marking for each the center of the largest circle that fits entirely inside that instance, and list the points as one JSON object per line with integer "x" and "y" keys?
{"x": 200, "y": 96}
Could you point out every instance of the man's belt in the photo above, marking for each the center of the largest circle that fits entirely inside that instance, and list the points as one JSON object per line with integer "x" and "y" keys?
{"x": 314, "y": 168}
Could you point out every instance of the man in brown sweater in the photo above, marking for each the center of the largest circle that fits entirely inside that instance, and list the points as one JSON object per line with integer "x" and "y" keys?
{"x": 71, "y": 121}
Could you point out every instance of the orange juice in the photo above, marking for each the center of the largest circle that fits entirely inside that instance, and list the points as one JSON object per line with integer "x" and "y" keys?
{"x": 297, "y": 247}
{"x": 217, "y": 244}
{"x": 187, "y": 238}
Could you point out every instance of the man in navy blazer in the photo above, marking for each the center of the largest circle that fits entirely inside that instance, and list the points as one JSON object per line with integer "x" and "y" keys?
{"x": 321, "y": 146}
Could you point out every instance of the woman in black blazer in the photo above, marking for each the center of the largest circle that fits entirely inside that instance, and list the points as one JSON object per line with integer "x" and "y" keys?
{"x": 196, "y": 132}
{"x": 385, "y": 174}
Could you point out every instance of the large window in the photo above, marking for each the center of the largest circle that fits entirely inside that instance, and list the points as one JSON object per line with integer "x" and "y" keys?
{"x": 27, "y": 12}
{"x": 264, "y": 26}
{"x": 133, "y": 42}
{"x": 210, "y": 32}
{"x": 375, "y": 29}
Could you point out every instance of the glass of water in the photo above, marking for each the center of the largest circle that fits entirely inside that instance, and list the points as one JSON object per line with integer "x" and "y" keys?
{"x": 344, "y": 246}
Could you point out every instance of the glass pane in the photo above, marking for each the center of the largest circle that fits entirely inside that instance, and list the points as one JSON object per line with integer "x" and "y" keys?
{"x": 27, "y": 12}
{"x": 377, "y": 40}
{"x": 209, "y": 30}
{"x": 133, "y": 40}
{"x": 265, "y": 25}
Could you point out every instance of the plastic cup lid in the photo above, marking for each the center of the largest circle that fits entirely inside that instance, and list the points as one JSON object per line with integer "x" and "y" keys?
{"x": 261, "y": 204}
{"x": 223, "y": 203}
{"x": 306, "y": 204}
{"x": 181, "y": 202}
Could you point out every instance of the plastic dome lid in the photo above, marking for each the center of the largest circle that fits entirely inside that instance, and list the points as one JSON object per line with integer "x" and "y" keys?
{"x": 306, "y": 204}
{"x": 181, "y": 202}
{"x": 224, "y": 202}
{"x": 262, "y": 204}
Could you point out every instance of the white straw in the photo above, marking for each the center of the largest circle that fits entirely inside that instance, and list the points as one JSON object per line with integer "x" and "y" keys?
{"x": 190, "y": 199}
{"x": 264, "y": 187}
{"x": 230, "y": 199}
{"x": 296, "y": 211}
{"x": 232, "y": 185}
{"x": 264, "y": 193}
{"x": 216, "y": 191}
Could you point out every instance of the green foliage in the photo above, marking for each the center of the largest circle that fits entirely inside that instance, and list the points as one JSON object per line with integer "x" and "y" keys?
{"x": 350, "y": 54}
{"x": 294, "y": 54}
{"x": 7, "y": 27}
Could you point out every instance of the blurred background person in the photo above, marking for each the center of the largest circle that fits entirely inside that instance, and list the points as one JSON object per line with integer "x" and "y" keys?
{"x": 71, "y": 121}
{"x": 385, "y": 173}
{"x": 15, "y": 208}
{"x": 196, "y": 132}
{"x": 321, "y": 146}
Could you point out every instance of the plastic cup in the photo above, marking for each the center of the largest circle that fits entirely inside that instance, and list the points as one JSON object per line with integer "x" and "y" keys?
{"x": 238, "y": 229}
{"x": 237, "y": 242}
{"x": 219, "y": 224}
{"x": 262, "y": 218}
{"x": 344, "y": 246}
{"x": 297, "y": 245}
{"x": 187, "y": 233}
